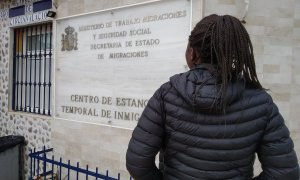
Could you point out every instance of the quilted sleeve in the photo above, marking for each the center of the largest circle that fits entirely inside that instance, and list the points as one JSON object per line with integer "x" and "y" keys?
{"x": 146, "y": 141}
{"x": 276, "y": 151}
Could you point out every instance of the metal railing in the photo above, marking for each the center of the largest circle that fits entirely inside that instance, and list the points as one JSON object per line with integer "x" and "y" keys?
{"x": 32, "y": 66}
{"x": 44, "y": 168}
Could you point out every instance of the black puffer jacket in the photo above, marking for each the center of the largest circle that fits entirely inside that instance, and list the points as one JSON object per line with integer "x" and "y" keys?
{"x": 200, "y": 144}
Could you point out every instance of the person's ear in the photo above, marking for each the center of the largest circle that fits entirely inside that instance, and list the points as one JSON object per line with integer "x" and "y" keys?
{"x": 190, "y": 54}
{"x": 195, "y": 58}
{"x": 192, "y": 57}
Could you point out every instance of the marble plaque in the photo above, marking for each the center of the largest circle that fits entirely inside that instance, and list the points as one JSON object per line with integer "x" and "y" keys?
{"x": 109, "y": 64}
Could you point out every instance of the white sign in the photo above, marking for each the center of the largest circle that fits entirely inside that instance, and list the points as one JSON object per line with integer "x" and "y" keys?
{"x": 110, "y": 63}
{"x": 29, "y": 18}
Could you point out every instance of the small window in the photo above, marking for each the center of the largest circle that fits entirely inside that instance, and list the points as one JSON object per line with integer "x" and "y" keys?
{"x": 32, "y": 59}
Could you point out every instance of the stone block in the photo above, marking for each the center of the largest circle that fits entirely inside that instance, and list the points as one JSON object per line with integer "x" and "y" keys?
{"x": 74, "y": 149}
{"x": 62, "y": 9}
{"x": 297, "y": 4}
{"x": 279, "y": 22}
{"x": 296, "y": 79}
{"x": 258, "y": 49}
{"x": 278, "y": 88}
{"x": 272, "y": 8}
{"x": 284, "y": 109}
{"x": 296, "y": 52}
{"x": 259, "y": 67}
{"x": 297, "y": 13}
{"x": 286, "y": 68}
{"x": 197, "y": 12}
{"x": 75, "y": 7}
{"x": 255, "y": 30}
{"x": 278, "y": 50}
{"x": 282, "y": 97}
{"x": 296, "y": 60}
{"x": 260, "y": 77}
{"x": 270, "y": 68}
{"x": 296, "y": 33}
{"x": 222, "y": 9}
{"x": 295, "y": 89}
{"x": 277, "y": 40}
{"x": 258, "y": 8}
{"x": 226, "y": 1}
{"x": 283, "y": 12}
{"x": 297, "y": 23}
{"x": 275, "y": 59}
{"x": 291, "y": 125}
{"x": 91, "y": 5}
{"x": 295, "y": 97}
{"x": 257, "y": 43}
{"x": 279, "y": 31}
{"x": 294, "y": 113}
{"x": 254, "y": 20}
{"x": 273, "y": 4}
{"x": 296, "y": 70}
{"x": 283, "y": 78}
{"x": 209, "y": 5}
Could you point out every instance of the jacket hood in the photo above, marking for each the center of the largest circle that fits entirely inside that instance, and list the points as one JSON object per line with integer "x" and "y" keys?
{"x": 201, "y": 89}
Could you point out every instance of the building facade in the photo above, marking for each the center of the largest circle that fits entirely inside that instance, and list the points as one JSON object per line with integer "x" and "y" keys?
{"x": 61, "y": 86}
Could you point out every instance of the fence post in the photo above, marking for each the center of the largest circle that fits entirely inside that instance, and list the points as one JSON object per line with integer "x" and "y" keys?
{"x": 68, "y": 169}
{"x": 60, "y": 168}
{"x": 38, "y": 167}
{"x": 44, "y": 163}
{"x": 30, "y": 163}
{"x": 52, "y": 168}
{"x": 87, "y": 169}
{"x": 34, "y": 164}
{"x": 77, "y": 171}
{"x": 96, "y": 173}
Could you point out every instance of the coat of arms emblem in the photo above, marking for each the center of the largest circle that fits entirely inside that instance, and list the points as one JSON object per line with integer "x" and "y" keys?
{"x": 69, "y": 40}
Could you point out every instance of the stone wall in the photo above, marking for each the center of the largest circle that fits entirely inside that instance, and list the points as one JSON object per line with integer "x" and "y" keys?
{"x": 274, "y": 27}
{"x": 36, "y": 129}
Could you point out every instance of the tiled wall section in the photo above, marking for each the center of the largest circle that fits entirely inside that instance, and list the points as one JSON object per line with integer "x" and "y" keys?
{"x": 97, "y": 146}
{"x": 274, "y": 26}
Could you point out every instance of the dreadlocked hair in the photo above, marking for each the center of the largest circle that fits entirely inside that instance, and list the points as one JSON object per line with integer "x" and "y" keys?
{"x": 224, "y": 42}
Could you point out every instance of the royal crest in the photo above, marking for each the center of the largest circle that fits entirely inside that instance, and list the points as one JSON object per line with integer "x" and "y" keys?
{"x": 69, "y": 40}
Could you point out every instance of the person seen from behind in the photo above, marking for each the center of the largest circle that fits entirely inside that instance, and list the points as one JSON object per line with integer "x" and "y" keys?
{"x": 208, "y": 123}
